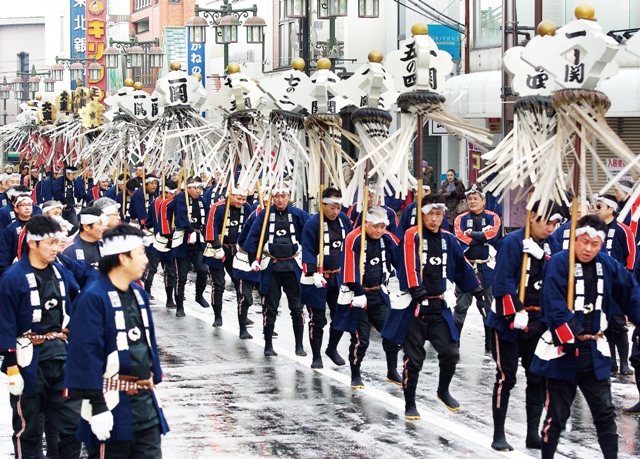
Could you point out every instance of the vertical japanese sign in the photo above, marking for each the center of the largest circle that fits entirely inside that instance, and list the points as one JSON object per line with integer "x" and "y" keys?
{"x": 96, "y": 17}
{"x": 474, "y": 162}
{"x": 78, "y": 45}
{"x": 196, "y": 60}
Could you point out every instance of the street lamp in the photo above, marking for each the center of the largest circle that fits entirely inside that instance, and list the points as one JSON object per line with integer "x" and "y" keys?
{"x": 76, "y": 69}
{"x": 226, "y": 20}
{"x": 138, "y": 55}
{"x": 32, "y": 83}
{"x": 5, "y": 93}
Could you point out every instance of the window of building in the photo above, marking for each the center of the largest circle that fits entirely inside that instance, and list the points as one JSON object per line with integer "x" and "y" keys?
{"x": 287, "y": 37}
{"x": 141, "y": 26}
{"x": 402, "y": 21}
{"x": 140, "y": 4}
{"x": 487, "y": 23}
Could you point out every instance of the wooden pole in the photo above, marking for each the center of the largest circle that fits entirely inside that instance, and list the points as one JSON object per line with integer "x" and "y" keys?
{"x": 321, "y": 238}
{"x": 263, "y": 230}
{"x": 363, "y": 220}
{"x": 418, "y": 168}
{"x": 525, "y": 258}
{"x": 574, "y": 221}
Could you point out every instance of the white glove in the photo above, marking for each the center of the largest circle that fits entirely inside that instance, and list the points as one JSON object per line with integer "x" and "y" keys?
{"x": 218, "y": 254}
{"x": 533, "y": 249}
{"x": 359, "y": 301}
{"x": 193, "y": 237}
{"x": 319, "y": 280}
{"x": 521, "y": 320}
{"x": 468, "y": 232}
{"x": 16, "y": 384}
{"x": 255, "y": 265}
{"x": 101, "y": 425}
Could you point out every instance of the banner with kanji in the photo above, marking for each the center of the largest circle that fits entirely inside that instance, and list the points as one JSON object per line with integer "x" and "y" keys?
{"x": 196, "y": 60}
{"x": 96, "y": 17}
{"x": 77, "y": 24}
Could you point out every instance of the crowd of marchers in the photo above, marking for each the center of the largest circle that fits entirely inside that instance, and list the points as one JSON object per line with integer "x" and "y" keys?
{"x": 559, "y": 307}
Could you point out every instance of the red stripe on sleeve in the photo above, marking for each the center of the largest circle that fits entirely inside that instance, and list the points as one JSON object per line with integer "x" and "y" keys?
{"x": 507, "y": 305}
{"x": 350, "y": 257}
{"x": 458, "y": 230}
{"x": 631, "y": 246}
{"x": 495, "y": 229}
{"x": 564, "y": 333}
{"x": 411, "y": 257}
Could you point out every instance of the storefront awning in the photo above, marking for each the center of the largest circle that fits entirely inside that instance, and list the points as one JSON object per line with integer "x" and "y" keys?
{"x": 477, "y": 95}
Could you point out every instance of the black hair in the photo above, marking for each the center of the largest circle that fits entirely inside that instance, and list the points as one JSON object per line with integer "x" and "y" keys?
{"x": 594, "y": 222}
{"x": 552, "y": 209}
{"x": 331, "y": 192}
{"x": 109, "y": 262}
{"x": 452, "y": 170}
{"x": 432, "y": 199}
{"x": 89, "y": 211}
{"x": 132, "y": 185}
{"x": 39, "y": 225}
{"x": 170, "y": 184}
{"x": 195, "y": 179}
{"x": 121, "y": 177}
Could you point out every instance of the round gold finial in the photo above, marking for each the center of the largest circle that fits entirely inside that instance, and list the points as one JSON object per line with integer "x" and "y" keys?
{"x": 197, "y": 76}
{"x": 584, "y": 10}
{"x": 298, "y": 64}
{"x": 547, "y": 28}
{"x": 324, "y": 64}
{"x": 419, "y": 28}
{"x": 31, "y": 103}
{"x": 137, "y": 86}
{"x": 375, "y": 56}
{"x": 38, "y": 97}
{"x": 233, "y": 67}
{"x": 175, "y": 65}
{"x": 128, "y": 82}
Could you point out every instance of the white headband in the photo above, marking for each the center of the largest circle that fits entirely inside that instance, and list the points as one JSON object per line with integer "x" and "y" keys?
{"x": 169, "y": 190}
{"x": 592, "y": 232}
{"x": 375, "y": 220}
{"x": 123, "y": 244}
{"x": 88, "y": 219}
{"x": 66, "y": 226}
{"x": 23, "y": 198}
{"x": 276, "y": 191}
{"x": 555, "y": 217}
{"x": 67, "y": 171}
{"x": 103, "y": 178}
{"x": 239, "y": 191}
{"x": 474, "y": 189}
{"x": 427, "y": 208}
{"x": 8, "y": 176}
{"x": 626, "y": 189}
{"x": 195, "y": 185}
{"x": 112, "y": 209}
{"x": 11, "y": 192}
{"x": 332, "y": 201}
{"x": 606, "y": 201}
{"x": 49, "y": 208}
{"x": 120, "y": 182}
{"x": 151, "y": 179}
{"x": 36, "y": 237}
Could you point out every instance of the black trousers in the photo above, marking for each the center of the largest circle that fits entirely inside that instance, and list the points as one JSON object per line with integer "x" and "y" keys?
{"x": 318, "y": 317}
{"x": 375, "y": 314}
{"x": 246, "y": 288}
{"x": 194, "y": 257}
{"x": 170, "y": 270}
{"x": 218, "y": 282}
{"x": 47, "y": 398}
{"x": 434, "y": 328}
{"x": 150, "y": 272}
{"x": 559, "y": 398}
{"x": 506, "y": 355}
{"x": 635, "y": 351}
{"x": 281, "y": 281}
{"x": 146, "y": 444}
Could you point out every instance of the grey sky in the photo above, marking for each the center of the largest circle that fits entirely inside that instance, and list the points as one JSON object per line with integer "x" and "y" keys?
{"x": 29, "y": 8}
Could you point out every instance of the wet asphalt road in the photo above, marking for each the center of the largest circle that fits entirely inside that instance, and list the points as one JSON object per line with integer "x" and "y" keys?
{"x": 223, "y": 398}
